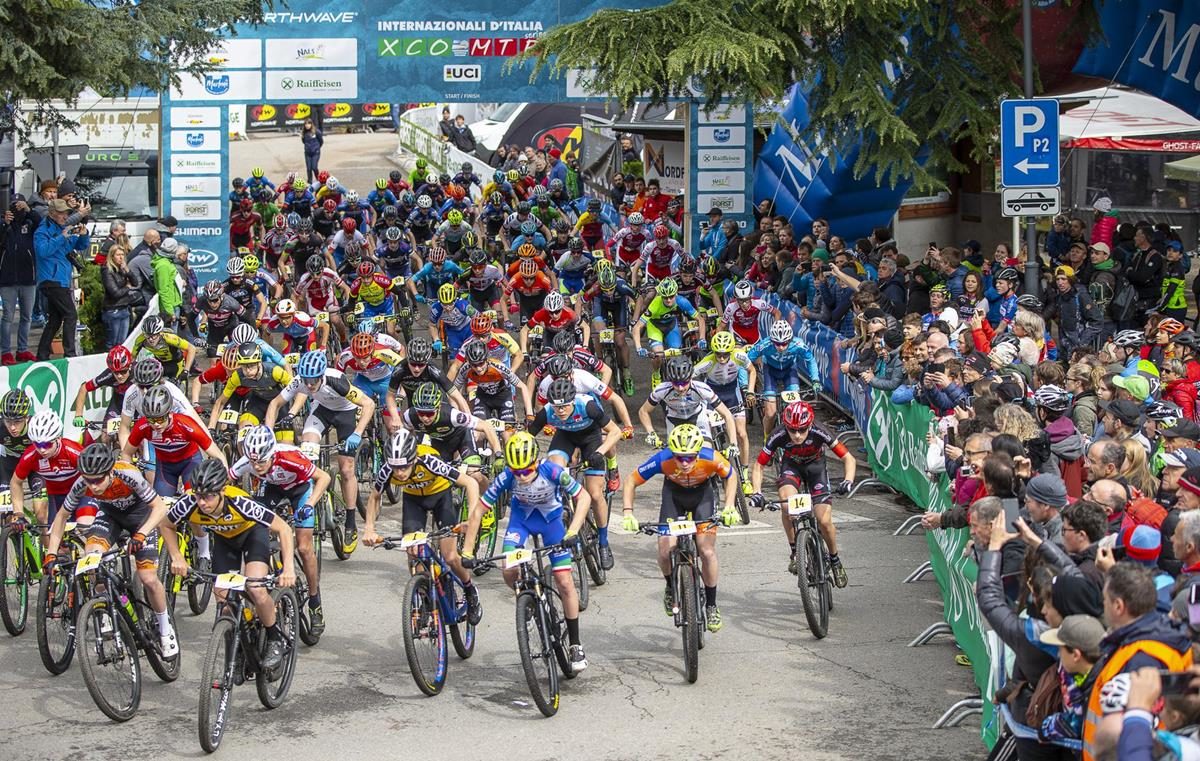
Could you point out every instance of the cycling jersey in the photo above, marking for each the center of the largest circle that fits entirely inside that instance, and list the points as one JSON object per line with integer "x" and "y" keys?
{"x": 372, "y": 290}
{"x": 513, "y": 224}
{"x": 541, "y": 495}
{"x": 500, "y": 345}
{"x": 430, "y": 475}
{"x": 453, "y": 233}
{"x": 320, "y": 291}
{"x": 299, "y": 202}
{"x": 663, "y": 462}
{"x": 629, "y": 242}
{"x": 181, "y": 439}
{"x": 15, "y": 446}
{"x": 448, "y": 423}
{"x": 273, "y": 244}
{"x": 302, "y": 330}
{"x": 299, "y": 251}
{"x": 808, "y": 450}
{"x": 483, "y": 278}
{"x": 126, "y": 492}
{"x": 573, "y": 269}
{"x": 717, "y": 373}
{"x": 746, "y": 323}
{"x": 397, "y": 261}
{"x": 494, "y": 217}
{"x": 547, "y": 215}
{"x": 537, "y": 240}
{"x": 380, "y": 199}
{"x": 553, "y": 325}
{"x": 586, "y": 416}
{"x": 131, "y": 405}
{"x": 492, "y": 380}
{"x": 538, "y": 285}
{"x": 467, "y": 180}
{"x": 290, "y": 468}
{"x": 614, "y": 304}
{"x": 788, "y": 360}
{"x": 409, "y": 381}
{"x": 59, "y": 472}
{"x": 434, "y": 277}
{"x": 335, "y": 393}
{"x": 243, "y": 291}
{"x": 455, "y": 317}
{"x": 239, "y": 515}
{"x": 380, "y": 365}
{"x": 170, "y": 351}
{"x": 219, "y": 373}
{"x": 241, "y": 225}
{"x": 585, "y": 383}
{"x": 266, "y": 386}
{"x": 224, "y": 313}
{"x": 661, "y": 257}
{"x": 665, "y": 318}
{"x": 590, "y": 227}
{"x": 104, "y": 379}
{"x": 685, "y": 404}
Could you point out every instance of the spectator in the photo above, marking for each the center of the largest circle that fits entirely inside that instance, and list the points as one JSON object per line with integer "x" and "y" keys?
{"x": 1081, "y": 382}
{"x": 1175, "y": 463}
{"x": 1178, "y": 388}
{"x": 18, "y": 282}
{"x": 116, "y": 237}
{"x": 953, "y": 270}
{"x": 464, "y": 139}
{"x": 1136, "y": 468}
{"x": 1058, "y": 240}
{"x": 446, "y": 126}
{"x": 1140, "y": 740}
{"x": 1045, "y": 497}
{"x": 1072, "y": 308}
{"x": 120, "y": 293}
{"x": 313, "y": 140}
{"x": 189, "y": 285}
{"x": 1078, "y": 641}
{"x": 1084, "y": 523}
{"x": 1185, "y": 544}
{"x": 713, "y": 241}
{"x": 1143, "y": 545}
{"x": 167, "y": 226}
{"x": 139, "y": 263}
{"x": 1146, "y": 270}
{"x": 55, "y": 247}
{"x": 166, "y": 281}
{"x": 1102, "y": 281}
{"x": 40, "y": 203}
{"x": 1174, "y": 285}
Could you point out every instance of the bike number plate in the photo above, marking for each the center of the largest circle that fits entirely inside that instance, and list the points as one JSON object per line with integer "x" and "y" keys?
{"x": 322, "y": 316}
{"x": 799, "y": 504}
{"x": 112, "y": 426}
{"x": 291, "y": 359}
{"x": 693, "y": 325}
{"x": 230, "y": 581}
{"x": 606, "y": 335}
{"x": 228, "y": 416}
{"x": 517, "y": 557}
{"x": 498, "y": 425}
{"x": 415, "y": 539}
{"x": 790, "y": 396}
{"x": 536, "y": 330}
{"x": 310, "y": 449}
{"x": 715, "y": 419}
{"x": 681, "y": 528}
{"x": 5, "y": 502}
{"x": 398, "y": 281}
{"x": 88, "y": 562}
{"x": 360, "y": 307}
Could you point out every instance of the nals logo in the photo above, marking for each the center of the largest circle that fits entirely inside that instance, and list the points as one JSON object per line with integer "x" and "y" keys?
{"x": 337, "y": 109}
{"x": 264, "y": 113}
{"x": 454, "y": 73}
{"x": 298, "y": 111}
{"x": 310, "y": 53}
{"x": 216, "y": 84}
{"x": 195, "y": 139}
{"x": 722, "y": 134}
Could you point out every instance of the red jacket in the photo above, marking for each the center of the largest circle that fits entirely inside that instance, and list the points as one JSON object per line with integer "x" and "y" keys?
{"x": 1183, "y": 393}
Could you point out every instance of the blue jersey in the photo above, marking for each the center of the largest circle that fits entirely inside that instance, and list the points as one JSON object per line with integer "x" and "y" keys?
{"x": 423, "y": 218}
{"x": 255, "y": 184}
{"x": 434, "y": 279}
{"x": 378, "y": 199}
{"x": 455, "y": 317}
{"x": 452, "y": 204}
{"x": 787, "y": 360}
{"x": 467, "y": 180}
{"x": 587, "y": 414}
{"x": 357, "y": 212}
{"x": 537, "y": 239}
{"x": 543, "y": 494}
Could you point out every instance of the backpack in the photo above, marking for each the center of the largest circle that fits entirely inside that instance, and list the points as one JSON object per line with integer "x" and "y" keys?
{"x": 1124, "y": 302}
{"x": 1143, "y": 511}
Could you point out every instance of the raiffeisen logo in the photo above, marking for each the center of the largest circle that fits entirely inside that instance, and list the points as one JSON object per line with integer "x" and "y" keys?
{"x": 324, "y": 17}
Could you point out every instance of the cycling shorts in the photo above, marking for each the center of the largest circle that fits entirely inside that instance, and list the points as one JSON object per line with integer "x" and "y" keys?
{"x": 614, "y": 313}
{"x": 485, "y": 299}
{"x": 523, "y": 523}
{"x": 253, "y": 546}
{"x": 500, "y": 406}
{"x": 320, "y": 418}
{"x": 217, "y": 336}
{"x": 564, "y": 443}
{"x": 418, "y": 508}
{"x": 295, "y": 497}
{"x": 376, "y": 310}
{"x": 731, "y": 395}
{"x": 460, "y": 442}
{"x": 678, "y": 501}
{"x": 168, "y": 475}
{"x": 110, "y": 526}
{"x": 377, "y": 389}
{"x": 672, "y": 339}
{"x": 775, "y": 381}
{"x": 252, "y": 409}
{"x": 807, "y": 476}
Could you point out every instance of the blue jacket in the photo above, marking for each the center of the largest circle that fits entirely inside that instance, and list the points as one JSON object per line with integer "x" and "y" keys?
{"x": 52, "y": 250}
{"x": 838, "y": 297}
{"x": 557, "y": 172}
{"x": 713, "y": 242}
{"x": 955, "y": 281}
{"x": 313, "y": 142}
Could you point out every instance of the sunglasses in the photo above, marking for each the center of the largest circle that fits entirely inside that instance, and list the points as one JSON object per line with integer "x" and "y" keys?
{"x": 685, "y": 459}
{"x": 722, "y": 355}
{"x": 524, "y": 471}
{"x": 681, "y": 384}
{"x": 94, "y": 480}
{"x": 158, "y": 420}
{"x": 45, "y": 444}
{"x": 417, "y": 364}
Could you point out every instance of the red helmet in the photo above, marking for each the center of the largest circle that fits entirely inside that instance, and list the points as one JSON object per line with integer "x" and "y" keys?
{"x": 246, "y": 204}
{"x": 119, "y": 359}
{"x": 322, "y": 176}
{"x": 481, "y": 324}
{"x": 330, "y": 205}
{"x": 798, "y": 415}
{"x": 348, "y": 225}
{"x": 437, "y": 255}
{"x": 365, "y": 269}
{"x": 362, "y": 345}
{"x": 661, "y": 232}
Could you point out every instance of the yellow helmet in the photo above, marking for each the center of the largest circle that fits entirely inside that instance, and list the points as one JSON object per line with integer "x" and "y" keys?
{"x": 685, "y": 439}
{"x": 723, "y": 342}
{"x": 447, "y": 293}
{"x": 521, "y": 451}
{"x": 252, "y": 263}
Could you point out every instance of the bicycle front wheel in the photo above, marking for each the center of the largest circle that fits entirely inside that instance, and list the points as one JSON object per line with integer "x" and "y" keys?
{"x": 579, "y": 574}
{"x": 424, "y": 635}
{"x": 56, "y": 622}
{"x": 591, "y": 552}
{"x": 14, "y": 588}
{"x": 108, "y": 658}
{"x": 809, "y": 578}
{"x": 685, "y": 591}
{"x": 537, "y": 660}
{"x": 274, "y": 687}
{"x": 216, "y": 685}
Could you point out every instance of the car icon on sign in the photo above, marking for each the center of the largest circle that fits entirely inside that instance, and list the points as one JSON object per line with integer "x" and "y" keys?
{"x": 1030, "y": 200}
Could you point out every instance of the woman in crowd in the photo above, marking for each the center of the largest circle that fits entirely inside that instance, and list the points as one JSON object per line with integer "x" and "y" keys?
{"x": 313, "y": 140}
{"x": 120, "y": 292}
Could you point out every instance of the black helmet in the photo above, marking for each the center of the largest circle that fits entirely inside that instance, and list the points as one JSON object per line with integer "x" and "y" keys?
{"x": 158, "y": 402}
{"x": 390, "y": 211}
{"x": 147, "y": 372}
{"x": 314, "y": 265}
{"x": 395, "y": 175}
{"x": 1187, "y": 339}
{"x": 678, "y": 369}
{"x": 523, "y": 207}
{"x": 305, "y": 225}
{"x": 593, "y": 204}
{"x": 419, "y": 350}
{"x": 209, "y": 477}
{"x": 1030, "y": 302}
{"x": 249, "y": 353}
{"x": 561, "y": 226}
{"x": 475, "y": 351}
{"x": 467, "y": 168}
{"x": 444, "y": 179}
{"x": 477, "y": 256}
{"x": 564, "y": 342}
{"x": 15, "y": 405}
{"x": 561, "y": 391}
{"x": 560, "y": 366}
{"x": 99, "y": 459}
{"x": 575, "y": 244}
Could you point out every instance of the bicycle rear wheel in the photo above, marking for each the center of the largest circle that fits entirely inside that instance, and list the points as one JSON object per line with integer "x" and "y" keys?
{"x": 199, "y": 589}
{"x": 273, "y": 688}
{"x": 579, "y": 574}
{"x": 424, "y": 636}
{"x": 108, "y": 658}
{"x": 808, "y": 565}
{"x": 685, "y": 590}
{"x": 14, "y": 587}
{"x": 533, "y": 642}
{"x": 462, "y": 634}
{"x": 56, "y": 622}
{"x": 591, "y": 551}
{"x": 216, "y": 685}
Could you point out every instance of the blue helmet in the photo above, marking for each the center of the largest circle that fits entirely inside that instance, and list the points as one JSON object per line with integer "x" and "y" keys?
{"x": 312, "y": 365}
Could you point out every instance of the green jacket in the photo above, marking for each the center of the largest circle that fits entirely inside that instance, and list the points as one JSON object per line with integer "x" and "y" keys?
{"x": 169, "y": 298}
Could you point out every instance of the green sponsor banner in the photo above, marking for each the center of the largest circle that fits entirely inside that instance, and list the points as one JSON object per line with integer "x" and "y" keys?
{"x": 895, "y": 442}
{"x": 53, "y": 386}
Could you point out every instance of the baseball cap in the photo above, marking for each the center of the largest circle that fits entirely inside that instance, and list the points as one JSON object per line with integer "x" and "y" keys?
{"x": 1102, "y": 247}
{"x": 979, "y": 363}
{"x": 1190, "y": 480}
{"x": 1175, "y": 245}
{"x": 556, "y": 153}
{"x": 19, "y": 197}
{"x": 1129, "y": 413}
{"x": 1064, "y": 270}
{"x": 1134, "y": 384}
{"x": 716, "y": 211}
{"x": 58, "y": 205}
{"x": 1078, "y": 631}
{"x": 1183, "y": 428}
{"x": 169, "y": 221}
{"x": 1142, "y": 543}
{"x": 1187, "y": 458}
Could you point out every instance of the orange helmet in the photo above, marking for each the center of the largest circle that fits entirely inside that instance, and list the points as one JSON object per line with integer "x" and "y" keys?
{"x": 362, "y": 345}
{"x": 1170, "y": 326}
{"x": 455, "y": 191}
{"x": 527, "y": 268}
{"x": 526, "y": 251}
{"x": 481, "y": 324}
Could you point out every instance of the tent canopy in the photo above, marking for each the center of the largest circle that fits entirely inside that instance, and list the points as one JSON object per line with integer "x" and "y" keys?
{"x": 1111, "y": 112}
{"x": 1184, "y": 169}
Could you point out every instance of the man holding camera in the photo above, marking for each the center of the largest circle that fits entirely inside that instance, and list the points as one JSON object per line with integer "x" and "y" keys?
{"x": 18, "y": 285}
{"x": 55, "y": 243}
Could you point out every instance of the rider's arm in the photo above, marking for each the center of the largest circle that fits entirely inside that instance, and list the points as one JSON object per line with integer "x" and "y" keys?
{"x": 459, "y": 401}
{"x": 612, "y": 435}
{"x": 287, "y": 544}
{"x": 79, "y": 400}
{"x": 367, "y": 404}
{"x": 727, "y": 416}
{"x": 644, "y": 416}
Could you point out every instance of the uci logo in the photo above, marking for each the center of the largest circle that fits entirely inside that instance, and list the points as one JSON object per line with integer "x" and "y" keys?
{"x": 195, "y": 139}
{"x": 202, "y": 259}
{"x": 216, "y": 84}
{"x": 721, "y": 135}
{"x": 453, "y": 73}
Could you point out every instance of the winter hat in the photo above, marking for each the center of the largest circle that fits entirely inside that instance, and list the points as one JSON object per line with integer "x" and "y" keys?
{"x": 893, "y": 338}
{"x": 1048, "y": 489}
{"x": 1076, "y": 594}
{"x": 1002, "y": 355}
{"x": 168, "y": 246}
{"x": 1142, "y": 543}
{"x": 1103, "y": 204}
{"x": 821, "y": 254}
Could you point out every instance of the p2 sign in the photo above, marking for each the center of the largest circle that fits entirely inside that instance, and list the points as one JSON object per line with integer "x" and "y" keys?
{"x": 1029, "y": 143}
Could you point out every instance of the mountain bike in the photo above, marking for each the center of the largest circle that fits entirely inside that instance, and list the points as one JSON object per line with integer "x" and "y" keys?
{"x": 434, "y": 600}
{"x": 235, "y": 650}
{"x": 21, "y": 562}
{"x": 60, "y": 598}
{"x": 333, "y": 510}
{"x": 113, "y": 626}
{"x": 303, "y": 613}
{"x": 610, "y": 356}
{"x": 813, "y": 575}
{"x": 723, "y": 444}
{"x": 687, "y": 585}
{"x": 489, "y": 525}
{"x": 197, "y": 586}
{"x": 588, "y": 550}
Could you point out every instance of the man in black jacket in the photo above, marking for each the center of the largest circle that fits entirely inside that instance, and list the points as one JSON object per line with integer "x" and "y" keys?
{"x": 18, "y": 281}
{"x": 1145, "y": 271}
{"x": 893, "y": 288}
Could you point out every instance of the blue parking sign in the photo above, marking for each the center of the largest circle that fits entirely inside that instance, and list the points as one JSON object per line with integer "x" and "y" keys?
{"x": 1029, "y": 143}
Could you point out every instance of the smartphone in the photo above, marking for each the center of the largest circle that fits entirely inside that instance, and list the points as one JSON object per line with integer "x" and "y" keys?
{"x": 1177, "y": 682}
{"x": 1012, "y": 511}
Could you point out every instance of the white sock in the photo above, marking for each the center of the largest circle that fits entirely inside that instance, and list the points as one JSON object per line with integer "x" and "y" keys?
{"x": 202, "y": 544}
{"x": 164, "y": 624}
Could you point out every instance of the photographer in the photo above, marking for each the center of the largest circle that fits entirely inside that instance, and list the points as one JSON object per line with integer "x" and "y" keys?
{"x": 56, "y": 244}
{"x": 18, "y": 284}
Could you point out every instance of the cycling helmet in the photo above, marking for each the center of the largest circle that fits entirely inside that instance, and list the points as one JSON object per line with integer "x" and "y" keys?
{"x": 593, "y": 205}
{"x": 213, "y": 291}
{"x": 560, "y": 366}
{"x": 798, "y": 415}
{"x": 1030, "y": 302}
{"x": 305, "y": 226}
{"x": 743, "y": 290}
{"x": 403, "y": 449}
{"x": 498, "y": 176}
{"x": 249, "y": 353}
{"x": 210, "y": 476}
{"x": 475, "y": 352}
{"x": 158, "y": 402}
{"x": 513, "y": 175}
{"x": 365, "y": 269}
{"x": 447, "y": 293}
{"x": 280, "y": 220}
{"x": 454, "y": 217}
{"x": 561, "y": 226}
{"x": 781, "y": 332}
{"x": 575, "y": 245}
{"x": 332, "y": 183}
{"x": 256, "y": 171}
{"x": 362, "y": 345}
{"x": 313, "y": 266}
{"x": 496, "y": 198}
{"x": 1129, "y": 339}
{"x": 523, "y": 207}
{"x": 119, "y": 359}
{"x": 1052, "y": 398}
{"x": 422, "y": 163}
{"x": 444, "y": 179}
{"x": 152, "y": 326}
{"x": 636, "y": 219}
{"x": 381, "y": 184}
{"x": 466, "y": 168}
{"x": 393, "y": 234}
{"x": 661, "y": 232}
{"x": 941, "y": 289}
{"x": 1170, "y": 326}
{"x": 526, "y": 251}
{"x": 527, "y": 268}
{"x": 243, "y": 333}
{"x": 285, "y": 306}
{"x": 293, "y": 220}
{"x": 528, "y": 227}
{"x": 322, "y": 177}
{"x": 564, "y": 342}
{"x": 251, "y": 263}
{"x": 419, "y": 350}
{"x": 264, "y": 196}
{"x": 246, "y": 204}
{"x": 300, "y": 185}
{"x": 437, "y": 255}
{"x": 330, "y": 206}
{"x": 229, "y": 355}
{"x": 99, "y": 460}
{"x": 312, "y": 364}
{"x": 687, "y": 264}
{"x": 408, "y": 198}
{"x": 424, "y": 202}
{"x": 1164, "y": 411}
{"x": 554, "y": 302}
{"x": 238, "y": 182}
{"x": 147, "y": 372}
{"x": 541, "y": 195}
{"x": 427, "y": 397}
{"x": 235, "y": 266}
{"x": 1187, "y": 339}
{"x": 723, "y": 342}
{"x": 455, "y": 191}
{"x": 607, "y": 278}
{"x": 481, "y": 324}
{"x": 712, "y": 266}
{"x": 685, "y": 439}
{"x": 349, "y": 226}
{"x": 1010, "y": 274}
{"x": 470, "y": 239}
{"x": 556, "y": 185}
{"x": 45, "y": 427}
{"x": 667, "y": 287}
{"x": 259, "y": 443}
{"x": 477, "y": 258}
{"x": 677, "y": 369}
{"x": 352, "y": 198}
{"x": 521, "y": 451}
{"x": 16, "y": 403}
{"x": 561, "y": 391}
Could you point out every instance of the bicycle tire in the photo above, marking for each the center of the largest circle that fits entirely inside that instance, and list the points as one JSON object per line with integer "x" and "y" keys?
{"x": 818, "y": 620}
{"x": 53, "y": 593}
{"x": 272, "y": 691}
{"x": 304, "y": 617}
{"x": 423, "y": 621}
{"x": 199, "y": 589}
{"x": 579, "y": 575}
{"x": 463, "y": 633}
{"x": 591, "y": 552}
{"x": 534, "y": 652}
{"x": 14, "y": 587}
{"x": 166, "y": 669}
{"x": 337, "y": 525}
{"x": 685, "y": 590}
{"x": 559, "y": 644}
{"x": 216, "y": 676}
{"x": 124, "y": 650}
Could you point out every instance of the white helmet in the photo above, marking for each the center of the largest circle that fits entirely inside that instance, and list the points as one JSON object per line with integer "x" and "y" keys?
{"x": 235, "y": 266}
{"x": 45, "y": 427}
{"x": 285, "y": 306}
{"x": 351, "y": 197}
{"x": 554, "y": 301}
{"x": 636, "y": 218}
{"x": 332, "y": 183}
{"x": 743, "y": 290}
{"x": 259, "y": 443}
{"x": 781, "y": 331}
{"x": 403, "y": 449}
{"x": 243, "y": 333}
{"x": 424, "y": 202}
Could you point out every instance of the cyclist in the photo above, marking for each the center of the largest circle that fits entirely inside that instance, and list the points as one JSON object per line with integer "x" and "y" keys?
{"x": 335, "y": 402}
{"x": 451, "y": 232}
{"x": 781, "y": 356}
{"x": 629, "y": 241}
{"x": 423, "y": 220}
{"x": 450, "y": 431}
{"x": 237, "y": 192}
{"x": 661, "y": 323}
{"x": 242, "y": 224}
{"x": 684, "y": 401}
{"x": 466, "y": 177}
{"x": 564, "y": 345}
{"x": 51, "y": 457}
{"x": 396, "y": 183}
{"x": 375, "y": 291}
{"x": 591, "y": 225}
{"x": 500, "y": 345}
{"x": 261, "y": 386}
{"x": 494, "y": 214}
{"x": 416, "y": 370}
{"x": 574, "y": 266}
{"x": 512, "y": 226}
{"x": 244, "y": 291}
{"x": 608, "y": 299}
{"x": 696, "y": 288}
{"x": 243, "y": 529}
{"x": 554, "y": 317}
{"x": 531, "y": 286}
{"x": 493, "y": 383}
{"x": 307, "y": 244}
{"x": 688, "y": 468}
{"x": 435, "y": 273}
{"x": 275, "y": 241}
{"x": 263, "y": 278}
{"x": 801, "y": 445}
{"x": 345, "y": 239}
{"x": 175, "y": 352}
{"x": 299, "y": 199}
{"x": 300, "y": 332}
{"x": 220, "y": 313}
{"x": 119, "y": 363}
{"x": 381, "y": 197}
{"x": 286, "y": 475}
{"x": 14, "y": 408}
{"x": 560, "y": 243}
{"x": 744, "y": 314}
{"x": 1006, "y": 283}
{"x": 417, "y": 175}
{"x": 177, "y": 440}
{"x": 125, "y": 504}
{"x": 660, "y": 257}
{"x": 730, "y": 374}
{"x": 395, "y": 253}
{"x": 484, "y": 283}
{"x": 450, "y": 317}
{"x": 537, "y": 487}
{"x": 370, "y": 367}
{"x": 147, "y": 374}
{"x": 529, "y": 233}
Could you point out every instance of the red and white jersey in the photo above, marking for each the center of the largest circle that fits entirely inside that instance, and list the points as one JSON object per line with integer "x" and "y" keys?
{"x": 59, "y": 472}
{"x": 745, "y": 322}
{"x": 628, "y": 243}
{"x": 289, "y": 468}
{"x": 320, "y": 290}
{"x": 658, "y": 256}
{"x": 182, "y": 438}
{"x": 274, "y": 241}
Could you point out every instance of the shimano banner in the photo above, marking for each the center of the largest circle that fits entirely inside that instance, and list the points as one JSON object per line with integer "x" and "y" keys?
{"x": 1150, "y": 45}
{"x": 806, "y": 183}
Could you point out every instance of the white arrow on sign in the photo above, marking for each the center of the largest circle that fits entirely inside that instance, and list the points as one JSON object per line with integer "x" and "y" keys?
{"x": 1023, "y": 166}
